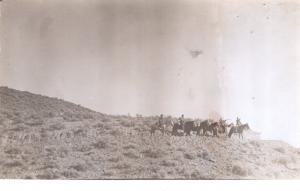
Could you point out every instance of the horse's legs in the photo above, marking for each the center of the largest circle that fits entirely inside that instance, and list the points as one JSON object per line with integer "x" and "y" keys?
{"x": 205, "y": 132}
{"x": 216, "y": 133}
{"x": 173, "y": 130}
{"x": 153, "y": 130}
{"x": 164, "y": 129}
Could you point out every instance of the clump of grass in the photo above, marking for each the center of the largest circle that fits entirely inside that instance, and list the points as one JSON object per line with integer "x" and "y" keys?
{"x": 254, "y": 143}
{"x": 153, "y": 169}
{"x": 155, "y": 177}
{"x": 281, "y": 161}
{"x": 131, "y": 154}
{"x": 43, "y": 133}
{"x": 203, "y": 154}
{"x": 197, "y": 175}
{"x": 237, "y": 170}
{"x": 48, "y": 166}
{"x": 47, "y": 175}
{"x": 18, "y": 128}
{"x": 168, "y": 163}
{"x": 35, "y": 122}
{"x": 98, "y": 125}
{"x": 180, "y": 149}
{"x": 8, "y": 115}
{"x": 130, "y": 146}
{"x": 70, "y": 174}
{"x": 56, "y": 126}
{"x": 79, "y": 132}
{"x": 122, "y": 166}
{"x": 189, "y": 156}
{"x": 13, "y": 151}
{"x": 62, "y": 152}
{"x": 82, "y": 148}
{"x": 13, "y": 164}
{"x": 28, "y": 177}
{"x": 279, "y": 149}
{"x": 153, "y": 153}
{"x": 49, "y": 115}
{"x": 17, "y": 120}
{"x": 87, "y": 116}
{"x": 50, "y": 150}
{"x": 100, "y": 145}
{"x": 108, "y": 173}
{"x": 126, "y": 123}
{"x": 1, "y": 120}
{"x": 78, "y": 167}
{"x": 33, "y": 116}
{"x": 106, "y": 120}
{"x": 74, "y": 116}
{"x": 115, "y": 132}
{"x": 114, "y": 159}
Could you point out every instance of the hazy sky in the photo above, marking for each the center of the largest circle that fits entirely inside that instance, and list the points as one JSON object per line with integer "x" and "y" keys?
{"x": 135, "y": 56}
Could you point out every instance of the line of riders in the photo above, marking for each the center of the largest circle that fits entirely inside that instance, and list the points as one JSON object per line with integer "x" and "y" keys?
{"x": 205, "y": 127}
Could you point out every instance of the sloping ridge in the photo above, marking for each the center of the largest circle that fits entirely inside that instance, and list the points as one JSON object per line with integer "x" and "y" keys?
{"x": 49, "y": 138}
{"x": 12, "y": 100}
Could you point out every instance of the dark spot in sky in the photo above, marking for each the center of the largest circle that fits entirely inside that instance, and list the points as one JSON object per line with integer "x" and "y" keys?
{"x": 267, "y": 18}
{"x": 251, "y": 32}
{"x": 195, "y": 53}
{"x": 264, "y": 4}
{"x": 253, "y": 98}
{"x": 237, "y": 16}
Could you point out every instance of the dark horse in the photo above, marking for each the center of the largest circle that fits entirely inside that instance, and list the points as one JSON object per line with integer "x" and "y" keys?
{"x": 191, "y": 126}
{"x": 238, "y": 130}
{"x": 176, "y": 127}
{"x": 223, "y": 127}
{"x": 207, "y": 126}
{"x": 187, "y": 128}
{"x": 156, "y": 126}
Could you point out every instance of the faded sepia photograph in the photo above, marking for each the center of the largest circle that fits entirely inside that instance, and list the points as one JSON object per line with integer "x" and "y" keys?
{"x": 158, "y": 89}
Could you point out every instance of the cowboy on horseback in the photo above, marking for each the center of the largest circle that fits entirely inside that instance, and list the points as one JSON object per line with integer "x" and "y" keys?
{"x": 222, "y": 124}
{"x": 161, "y": 121}
{"x": 238, "y": 121}
{"x": 159, "y": 125}
{"x": 222, "y": 121}
{"x": 181, "y": 122}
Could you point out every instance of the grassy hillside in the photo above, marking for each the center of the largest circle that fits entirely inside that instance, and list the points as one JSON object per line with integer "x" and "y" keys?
{"x": 48, "y": 138}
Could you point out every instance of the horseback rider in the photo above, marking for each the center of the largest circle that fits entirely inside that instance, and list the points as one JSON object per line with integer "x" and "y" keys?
{"x": 222, "y": 124}
{"x": 160, "y": 121}
{"x": 222, "y": 121}
{"x": 181, "y": 121}
{"x": 238, "y": 121}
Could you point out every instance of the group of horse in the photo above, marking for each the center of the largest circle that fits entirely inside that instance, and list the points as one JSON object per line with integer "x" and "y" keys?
{"x": 206, "y": 127}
